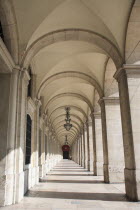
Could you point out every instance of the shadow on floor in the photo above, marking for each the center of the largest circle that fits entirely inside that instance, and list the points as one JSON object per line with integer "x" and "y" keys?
{"x": 73, "y": 181}
{"x": 69, "y": 170}
{"x": 80, "y": 196}
{"x": 53, "y": 174}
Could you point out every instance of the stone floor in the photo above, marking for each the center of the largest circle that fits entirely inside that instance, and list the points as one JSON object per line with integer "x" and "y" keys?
{"x": 69, "y": 186}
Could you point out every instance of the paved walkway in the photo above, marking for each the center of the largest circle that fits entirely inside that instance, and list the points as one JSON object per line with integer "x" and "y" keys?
{"x": 68, "y": 186}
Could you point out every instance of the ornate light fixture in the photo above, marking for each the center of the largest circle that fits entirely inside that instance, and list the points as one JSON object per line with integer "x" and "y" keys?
{"x": 67, "y": 125}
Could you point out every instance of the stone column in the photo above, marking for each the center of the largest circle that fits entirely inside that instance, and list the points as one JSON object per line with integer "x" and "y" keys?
{"x": 48, "y": 153}
{"x": 87, "y": 151}
{"x": 83, "y": 149}
{"x": 93, "y": 134}
{"x": 99, "y": 143}
{"x": 39, "y": 153}
{"x": 36, "y": 140}
{"x": 8, "y": 106}
{"x": 73, "y": 149}
{"x": 114, "y": 138}
{"x": 50, "y": 160}
{"x": 129, "y": 90}
{"x": 74, "y": 153}
{"x": 53, "y": 151}
{"x": 43, "y": 149}
{"x": 20, "y": 138}
{"x": 77, "y": 152}
{"x": 91, "y": 144}
{"x": 105, "y": 144}
{"x": 79, "y": 145}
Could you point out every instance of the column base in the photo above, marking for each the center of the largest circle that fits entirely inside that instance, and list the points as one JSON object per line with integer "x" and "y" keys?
{"x": 83, "y": 163}
{"x": 19, "y": 187}
{"x": 42, "y": 171}
{"x": 88, "y": 167}
{"x": 6, "y": 189}
{"x": 106, "y": 174}
{"x": 116, "y": 174}
{"x": 131, "y": 186}
{"x": 100, "y": 169}
{"x": 95, "y": 168}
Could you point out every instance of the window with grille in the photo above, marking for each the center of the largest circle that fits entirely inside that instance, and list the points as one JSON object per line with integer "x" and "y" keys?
{"x": 28, "y": 139}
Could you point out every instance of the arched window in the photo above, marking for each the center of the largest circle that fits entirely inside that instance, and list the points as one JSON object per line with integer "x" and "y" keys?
{"x": 30, "y": 83}
{"x": 28, "y": 139}
{"x": 1, "y": 32}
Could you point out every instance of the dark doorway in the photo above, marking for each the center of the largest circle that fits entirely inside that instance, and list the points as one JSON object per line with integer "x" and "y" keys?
{"x": 65, "y": 154}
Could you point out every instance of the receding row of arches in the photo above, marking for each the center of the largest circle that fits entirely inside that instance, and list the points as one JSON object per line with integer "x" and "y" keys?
{"x": 90, "y": 66}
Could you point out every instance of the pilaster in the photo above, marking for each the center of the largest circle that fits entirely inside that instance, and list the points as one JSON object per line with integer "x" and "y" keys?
{"x": 114, "y": 138}
{"x": 99, "y": 143}
{"x": 128, "y": 78}
{"x": 105, "y": 143}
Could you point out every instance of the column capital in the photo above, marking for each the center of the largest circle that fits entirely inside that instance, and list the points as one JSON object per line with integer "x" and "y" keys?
{"x": 38, "y": 102}
{"x": 44, "y": 116}
{"x": 101, "y": 102}
{"x": 85, "y": 125}
{"x": 47, "y": 130}
{"x": 50, "y": 133}
{"x": 111, "y": 100}
{"x": 90, "y": 120}
{"x": 92, "y": 114}
{"x": 25, "y": 75}
{"x": 97, "y": 115}
{"x": 16, "y": 69}
{"x": 41, "y": 121}
{"x": 131, "y": 71}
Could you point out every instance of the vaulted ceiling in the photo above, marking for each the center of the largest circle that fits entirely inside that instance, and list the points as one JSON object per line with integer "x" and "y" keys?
{"x": 68, "y": 43}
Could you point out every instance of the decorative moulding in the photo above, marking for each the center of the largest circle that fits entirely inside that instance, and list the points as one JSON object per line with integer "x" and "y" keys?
{"x": 30, "y": 107}
{"x": 6, "y": 57}
{"x": 131, "y": 70}
{"x": 111, "y": 100}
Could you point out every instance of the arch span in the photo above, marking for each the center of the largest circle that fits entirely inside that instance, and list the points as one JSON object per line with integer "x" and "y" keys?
{"x": 63, "y": 107}
{"x": 75, "y": 95}
{"x": 72, "y": 115}
{"x": 76, "y": 35}
{"x": 87, "y": 78}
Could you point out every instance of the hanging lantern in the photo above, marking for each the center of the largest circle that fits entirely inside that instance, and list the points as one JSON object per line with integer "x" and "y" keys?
{"x": 67, "y": 125}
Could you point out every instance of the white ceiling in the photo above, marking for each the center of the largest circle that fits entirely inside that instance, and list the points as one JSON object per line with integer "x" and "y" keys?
{"x": 106, "y": 18}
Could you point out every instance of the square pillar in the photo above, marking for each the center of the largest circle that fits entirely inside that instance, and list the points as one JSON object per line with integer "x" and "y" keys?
{"x": 87, "y": 151}
{"x": 20, "y": 138}
{"x": 128, "y": 79}
{"x": 8, "y": 111}
{"x": 114, "y": 139}
{"x": 104, "y": 140}
{"x": 91, "y": 145}
{"x": 83, "y": 150}
{"x": 99, "y": 143}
